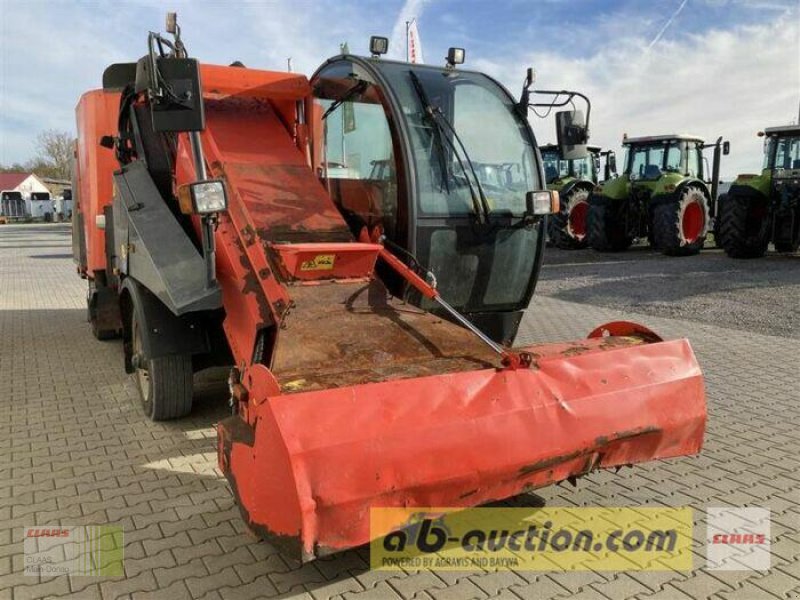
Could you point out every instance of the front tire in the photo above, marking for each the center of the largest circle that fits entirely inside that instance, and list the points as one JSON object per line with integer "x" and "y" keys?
{"x": 608, "y": 231}
{"x": 680, "y": 227}
{"x": 567, "y": 229}
{"x": 164, "y": 383}
{"x": 743, "y": 227}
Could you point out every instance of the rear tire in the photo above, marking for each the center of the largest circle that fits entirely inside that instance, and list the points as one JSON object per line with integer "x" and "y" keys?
{"x": 680, "y": 227}
{"x": 607, "y": 226}
{"x": 743, "y": 232}
{"x": 164, "y": 383}
{"x": 567, "y": 228}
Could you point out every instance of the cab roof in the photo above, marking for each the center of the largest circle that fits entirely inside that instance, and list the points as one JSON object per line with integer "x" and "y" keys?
{"x": 783, "y": 129}
{"x": 661, "y": 138}
{"x": 594, "y": 149}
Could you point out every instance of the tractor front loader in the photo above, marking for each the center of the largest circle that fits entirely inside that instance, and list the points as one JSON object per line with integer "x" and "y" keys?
{"x": 331, "y": 240}
{"x": 764, "y": 208}
{"x": 661, "y": 196}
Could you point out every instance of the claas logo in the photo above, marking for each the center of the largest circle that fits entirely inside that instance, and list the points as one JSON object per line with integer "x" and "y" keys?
{"x": 739, "y": 538}
{"x": 47, "y": 532}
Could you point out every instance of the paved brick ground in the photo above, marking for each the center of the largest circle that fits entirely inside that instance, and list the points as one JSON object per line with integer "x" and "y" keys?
{"x": 74, "y": 449}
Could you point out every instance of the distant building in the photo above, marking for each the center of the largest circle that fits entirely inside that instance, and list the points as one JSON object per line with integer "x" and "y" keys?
{"x": 25, "y": 183}
{"x": 38, "y": 202}
{"x": 56, "y": 186}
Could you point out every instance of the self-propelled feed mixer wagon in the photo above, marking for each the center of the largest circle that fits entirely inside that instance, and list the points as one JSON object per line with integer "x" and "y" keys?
{"x": 228, "y": 215}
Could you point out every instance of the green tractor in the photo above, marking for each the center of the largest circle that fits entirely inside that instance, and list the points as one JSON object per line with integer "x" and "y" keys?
{"x": 661, "y": 195}
{"x": 574, "y": 180}
{"x": 759, "y": 209}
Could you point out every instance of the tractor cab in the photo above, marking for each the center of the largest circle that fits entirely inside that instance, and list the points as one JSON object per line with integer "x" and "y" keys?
{"x": 649, "y": 159}
{"x": 782, "y": 151}
{"x": 559, "y": 172}
{"x": 440, "y": 161}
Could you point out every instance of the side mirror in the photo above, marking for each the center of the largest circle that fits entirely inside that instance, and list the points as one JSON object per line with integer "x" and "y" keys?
{"x": 542, "y": 202}
{"x": 572, "y": 134}
{"x": 611, "y": 163}
{"x": 726, "y": 148}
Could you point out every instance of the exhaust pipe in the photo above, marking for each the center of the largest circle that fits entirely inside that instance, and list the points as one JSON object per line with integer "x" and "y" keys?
{"x": 715, "y": 176}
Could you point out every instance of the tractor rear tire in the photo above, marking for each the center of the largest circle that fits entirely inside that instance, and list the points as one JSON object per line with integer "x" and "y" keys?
{"x": 606, "y": 225}
{"x": 680, "y": 227}
{"x": 567, "y": 228}
{"x": 742, "y": 234}
{"x": 164, "y": 383}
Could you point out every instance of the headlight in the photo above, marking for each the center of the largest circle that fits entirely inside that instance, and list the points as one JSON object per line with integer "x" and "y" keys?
{"x": 543, "y": 202}
{"x": 203, "y": 197}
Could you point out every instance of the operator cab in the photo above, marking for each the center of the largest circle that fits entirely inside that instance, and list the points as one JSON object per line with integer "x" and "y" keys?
{"x": 556, "y": 168}
{"x": 440, "y": 161}
{"x": 782, "y": 148}
{"x": 648, "y": 158}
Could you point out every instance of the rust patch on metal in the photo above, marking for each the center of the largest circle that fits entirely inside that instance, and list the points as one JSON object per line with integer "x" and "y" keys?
{"x": 599, "y": 443}
{"x": 576, "y": 350}
{"x": 352, "y": 333}
{"x": 236, "y": 431}
{"x": 624, "y": 435}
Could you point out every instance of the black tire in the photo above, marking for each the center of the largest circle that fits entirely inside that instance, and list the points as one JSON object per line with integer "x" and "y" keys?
{"x": 164, "y": 383}
{"x": 680, "y": 227}
{"x": 743, "y": 232}
{"x": 558, "y": 225}
{"x": 607, "y": 226}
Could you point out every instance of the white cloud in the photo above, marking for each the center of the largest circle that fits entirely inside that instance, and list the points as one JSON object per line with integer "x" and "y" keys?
{"x": 397, "y": 43}
{"x": 729, "y": 82}
{"x": 726, "y": 82}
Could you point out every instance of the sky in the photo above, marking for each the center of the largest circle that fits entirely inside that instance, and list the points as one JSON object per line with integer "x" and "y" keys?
{"x": 706, "y": 67}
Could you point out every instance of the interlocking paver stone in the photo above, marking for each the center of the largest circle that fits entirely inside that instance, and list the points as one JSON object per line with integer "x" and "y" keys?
{"x": 75, "y": 448}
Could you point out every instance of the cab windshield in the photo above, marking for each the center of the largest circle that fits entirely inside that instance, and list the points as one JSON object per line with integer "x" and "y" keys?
{"x": 477, "y": 129}
{"x": 554, "y": 167}
{"x": 582, "y": 168}
{"x": 787, "y": 152}
{"x": 650, "y": 161}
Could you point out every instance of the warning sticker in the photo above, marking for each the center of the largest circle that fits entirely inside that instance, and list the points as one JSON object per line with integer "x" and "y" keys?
{"x": 321, "y": 262}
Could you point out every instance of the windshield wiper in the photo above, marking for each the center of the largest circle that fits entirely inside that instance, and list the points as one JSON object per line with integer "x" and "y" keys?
{"x": 356, "y": 90}
{"x": 481, "y": 206}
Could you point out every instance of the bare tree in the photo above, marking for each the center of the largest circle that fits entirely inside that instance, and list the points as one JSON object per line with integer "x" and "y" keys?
{"x": 54, "y": 153}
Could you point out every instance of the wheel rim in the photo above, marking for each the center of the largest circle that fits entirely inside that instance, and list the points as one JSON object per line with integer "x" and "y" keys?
{"x": 142, "y": 375}
{"x": 693, "y": 221}
{"x": 577, "y": 220}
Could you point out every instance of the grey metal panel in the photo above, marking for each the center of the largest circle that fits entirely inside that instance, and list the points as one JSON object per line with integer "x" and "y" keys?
{"x": 158, "y": 253}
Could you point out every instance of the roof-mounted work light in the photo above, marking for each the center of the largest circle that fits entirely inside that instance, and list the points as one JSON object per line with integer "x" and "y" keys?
{"x": 455, "y": 56}
{"x": 378, "y": 45}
